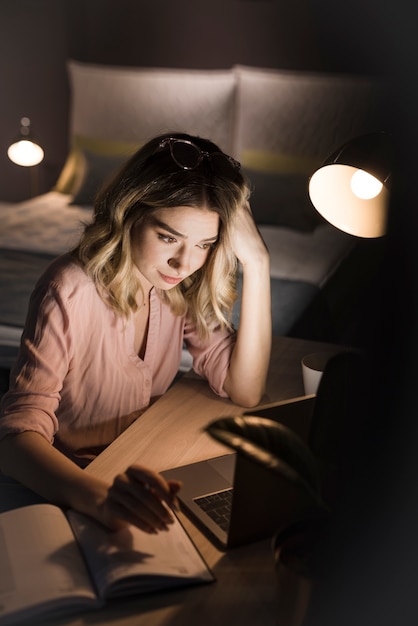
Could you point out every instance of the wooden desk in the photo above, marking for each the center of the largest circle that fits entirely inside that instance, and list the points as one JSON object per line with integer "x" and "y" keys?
{"x": 169, "y": 434}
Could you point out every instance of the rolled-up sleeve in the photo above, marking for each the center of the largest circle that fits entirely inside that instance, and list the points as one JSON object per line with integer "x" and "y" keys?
{"x": 42, "y": 364}
{"x": 211, "y": 358}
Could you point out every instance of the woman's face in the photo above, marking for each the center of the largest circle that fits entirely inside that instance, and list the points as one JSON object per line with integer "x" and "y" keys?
{"x": 173, "y": 244}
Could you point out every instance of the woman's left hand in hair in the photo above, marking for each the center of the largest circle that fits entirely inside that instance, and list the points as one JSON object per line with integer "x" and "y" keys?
{"x": 245, "y": 238}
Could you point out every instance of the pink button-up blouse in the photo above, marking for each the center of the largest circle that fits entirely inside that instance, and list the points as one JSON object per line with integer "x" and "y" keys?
{"x": 78, "y": 381}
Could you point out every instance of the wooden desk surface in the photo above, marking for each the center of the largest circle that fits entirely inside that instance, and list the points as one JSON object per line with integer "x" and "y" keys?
{"x": 169, "y": 434}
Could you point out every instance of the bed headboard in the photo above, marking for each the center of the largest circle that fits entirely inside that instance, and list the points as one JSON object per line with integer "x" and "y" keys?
{"x": 279, "y": 124}
{"x": 114, "y": 110}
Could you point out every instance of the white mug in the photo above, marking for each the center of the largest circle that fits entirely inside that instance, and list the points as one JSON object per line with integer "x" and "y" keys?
{"x": 313, "y": 366}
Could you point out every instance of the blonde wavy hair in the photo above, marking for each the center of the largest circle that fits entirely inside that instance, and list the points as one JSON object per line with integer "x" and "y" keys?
{"x": 149, "y": 181}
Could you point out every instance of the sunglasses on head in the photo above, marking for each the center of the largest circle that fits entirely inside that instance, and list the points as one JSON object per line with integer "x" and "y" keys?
{"x": 188, "y": 156}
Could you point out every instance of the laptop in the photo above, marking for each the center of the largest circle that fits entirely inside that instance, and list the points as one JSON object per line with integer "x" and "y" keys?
{"x": 233, "y": 499}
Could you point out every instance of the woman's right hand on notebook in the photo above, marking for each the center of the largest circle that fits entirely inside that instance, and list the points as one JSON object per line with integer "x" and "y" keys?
{"x": 140, "y": 497}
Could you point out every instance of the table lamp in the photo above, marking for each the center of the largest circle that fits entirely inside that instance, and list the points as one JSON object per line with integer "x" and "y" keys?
{"x": 25, "y": 150}
{"x": 351, "y": 189}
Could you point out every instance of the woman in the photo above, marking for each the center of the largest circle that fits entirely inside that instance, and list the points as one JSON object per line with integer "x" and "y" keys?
{"x": 107, "y": 322}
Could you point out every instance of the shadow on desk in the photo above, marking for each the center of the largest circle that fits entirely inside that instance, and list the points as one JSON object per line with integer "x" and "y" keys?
{"x": 232, "y": 599}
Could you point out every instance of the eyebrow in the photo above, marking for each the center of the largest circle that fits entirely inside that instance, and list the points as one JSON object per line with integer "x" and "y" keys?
{"x": 171, "y": 230}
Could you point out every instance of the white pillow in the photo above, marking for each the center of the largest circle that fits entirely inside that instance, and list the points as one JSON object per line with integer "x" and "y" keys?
{"x": 128, "y": 104}
{"x": 290, "y": 121}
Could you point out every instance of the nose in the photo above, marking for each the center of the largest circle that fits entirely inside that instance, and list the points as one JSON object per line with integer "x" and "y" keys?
{"x": 180, "y": 262}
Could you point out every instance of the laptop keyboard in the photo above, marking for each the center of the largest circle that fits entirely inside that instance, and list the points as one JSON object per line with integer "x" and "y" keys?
{"x": 217, "y": 506}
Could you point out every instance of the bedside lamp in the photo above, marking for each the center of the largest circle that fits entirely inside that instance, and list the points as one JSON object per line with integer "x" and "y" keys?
{"x": 25, "y": 151}
{"x": 351, "y": 189}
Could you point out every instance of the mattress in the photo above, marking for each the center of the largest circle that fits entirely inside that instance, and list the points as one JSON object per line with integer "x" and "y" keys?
{"x": 308, "y": 257}
{"x": 46, "y": 224}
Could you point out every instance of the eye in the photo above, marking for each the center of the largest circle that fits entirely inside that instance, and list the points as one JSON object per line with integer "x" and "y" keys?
{"x": 166, "y": 238}
{"x": 208, "y": 245}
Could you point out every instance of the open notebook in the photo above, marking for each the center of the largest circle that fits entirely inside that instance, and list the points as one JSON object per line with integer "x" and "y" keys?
{"x": 54, "y": 563}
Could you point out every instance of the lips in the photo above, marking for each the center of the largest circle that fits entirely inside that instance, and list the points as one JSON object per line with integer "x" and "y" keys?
{"x": 171, "y": 280}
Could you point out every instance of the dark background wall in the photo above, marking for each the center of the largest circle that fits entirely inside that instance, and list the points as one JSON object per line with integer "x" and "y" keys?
{"x": 38, "y": 36}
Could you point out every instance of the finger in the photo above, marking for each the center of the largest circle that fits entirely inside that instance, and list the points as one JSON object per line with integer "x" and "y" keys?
{"x": 175, "y": 486}
{"x": 140, "y": 503}
{"x": 118, "y": 516}
{"x": 156, "y": 482}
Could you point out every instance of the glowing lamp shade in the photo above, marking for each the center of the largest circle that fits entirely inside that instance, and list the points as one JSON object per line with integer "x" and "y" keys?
{"x": 25, "y": 151}
{"x": 351, "y": 189}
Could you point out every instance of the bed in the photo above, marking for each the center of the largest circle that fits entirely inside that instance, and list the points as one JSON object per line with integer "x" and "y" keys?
{"x": 280, "y": 125}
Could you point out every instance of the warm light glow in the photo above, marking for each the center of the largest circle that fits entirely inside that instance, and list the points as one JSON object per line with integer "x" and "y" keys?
{"x": 25, "y": 153}
{"x": 331, "y": 194}
{"x": 365, "y": 186}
